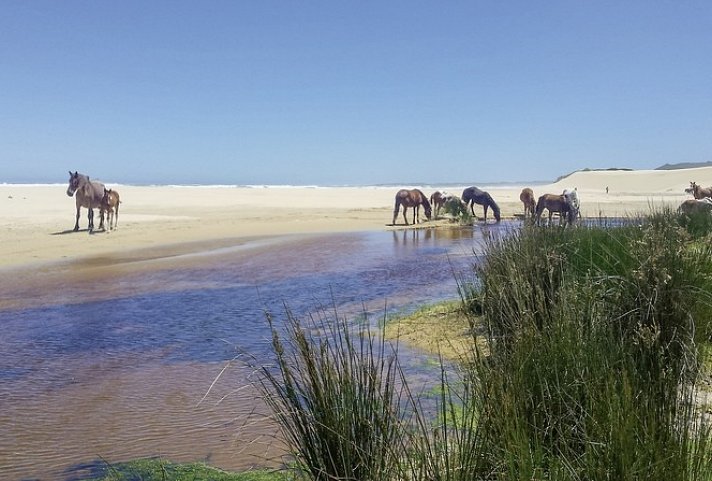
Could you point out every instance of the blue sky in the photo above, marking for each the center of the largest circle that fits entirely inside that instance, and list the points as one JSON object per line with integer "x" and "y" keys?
{"x": 359, "y": 92}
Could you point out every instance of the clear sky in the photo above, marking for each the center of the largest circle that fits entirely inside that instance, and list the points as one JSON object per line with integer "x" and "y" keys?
{"x": 350, "y": 92}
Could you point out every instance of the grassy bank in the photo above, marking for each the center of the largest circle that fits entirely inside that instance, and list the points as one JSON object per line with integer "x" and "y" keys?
{"x": 591, "y": 368}
{"x": 160, "y": 470}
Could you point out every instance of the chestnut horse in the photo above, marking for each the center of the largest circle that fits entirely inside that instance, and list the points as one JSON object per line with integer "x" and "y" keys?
{"x": 411, "y": 198}
{"x": 527, "y": 198}
{"x": 555, "y": 203}
{"x": 473, "y": 195}
{"x": 700, "y": 192}
{"x": 110, "y": 204}
{"x": 88, "y": 194}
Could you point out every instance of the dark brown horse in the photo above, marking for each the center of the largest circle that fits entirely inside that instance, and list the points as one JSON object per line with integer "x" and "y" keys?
{"x": 88, "y": 194}
{"x": 473, "y": 195}
{"x": 110, "y": 204}
{"x": 555, "y": 203}
{"x": 700, "y": 192}
{"x": 437, "y": 200}
{"x": 411, "y": 198}
{"x": 527, "y": 198}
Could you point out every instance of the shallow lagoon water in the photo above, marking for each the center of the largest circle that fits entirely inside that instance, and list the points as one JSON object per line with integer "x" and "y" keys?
{"x": 128, "y": 370}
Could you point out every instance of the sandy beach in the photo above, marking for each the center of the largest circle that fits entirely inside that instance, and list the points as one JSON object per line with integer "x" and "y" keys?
{"x": 163, "y": 221}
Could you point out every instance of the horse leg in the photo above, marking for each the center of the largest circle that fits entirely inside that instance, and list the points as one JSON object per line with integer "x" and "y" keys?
{"x": 486, "y": 207}
{"x": 91, "y": 220}
{"x": 405, "y": 219}
{"x": 416, "y": 214}
{"x": 76, "y": 224}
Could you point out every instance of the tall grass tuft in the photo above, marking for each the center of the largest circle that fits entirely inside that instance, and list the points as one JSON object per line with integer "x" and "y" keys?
{"x": 337, "y": 397}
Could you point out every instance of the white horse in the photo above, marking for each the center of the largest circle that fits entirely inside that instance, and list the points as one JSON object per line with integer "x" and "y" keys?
{"x": 572, "y": 198}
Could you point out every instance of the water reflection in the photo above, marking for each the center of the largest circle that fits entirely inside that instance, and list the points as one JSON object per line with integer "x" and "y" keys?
{"x": 121, "y": 373}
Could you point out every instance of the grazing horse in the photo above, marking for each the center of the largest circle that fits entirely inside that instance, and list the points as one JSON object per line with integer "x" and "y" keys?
{"x": 571, "y": 196}
{"x": 411, "y": 198}
{"x": 473, "y": 195}
{"x": 700, "y": 192}
{"x": 554, "y": 203}
{"x": 527, "y": 198}
{"x": 88, "y": 194}
{"x": 437, "y": 200}
{"x": 110, "y": 204}
{"x": 692, "y": 206}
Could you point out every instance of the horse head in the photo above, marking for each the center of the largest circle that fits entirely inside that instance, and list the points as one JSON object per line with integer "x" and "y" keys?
{"x": 73, "y": 183}
{"x": 495, "y": 208}
{"x": 427, "y": 208}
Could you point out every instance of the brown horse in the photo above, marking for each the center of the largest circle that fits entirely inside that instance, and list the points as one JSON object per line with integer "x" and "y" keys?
{"x": 700, "y": 192}
{"x": 692, "y": 206}
{"x": 88, "y": 195}
{"x": 527, "y": 198}
{"x": 554, "y": 203}
{"x": 437, "y": 200}
{"x": 110, "y": 204}
{"x": 473, "y": 195}
{"x": 411, "y": 198}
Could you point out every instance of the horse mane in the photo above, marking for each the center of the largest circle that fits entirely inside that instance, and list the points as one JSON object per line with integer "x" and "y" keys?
{"x": 426, "y": 202}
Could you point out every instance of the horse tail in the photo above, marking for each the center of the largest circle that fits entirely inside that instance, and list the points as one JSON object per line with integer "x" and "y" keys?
{"x": 540, "y": 206}
{"x": 396, "y": 208}
{"x": 466, "y": 195}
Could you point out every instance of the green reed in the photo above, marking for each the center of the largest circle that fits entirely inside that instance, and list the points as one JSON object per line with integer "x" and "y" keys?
{"x": 338, "y": 397}
{"x": 593, "y": 338}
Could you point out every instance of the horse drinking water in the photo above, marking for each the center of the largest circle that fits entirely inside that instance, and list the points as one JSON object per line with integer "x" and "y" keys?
{"x": 556, "y": 203}
{"x": 473, "y": 195}
{"x": 87, "y": 194}
{"x": 411, "y": 198}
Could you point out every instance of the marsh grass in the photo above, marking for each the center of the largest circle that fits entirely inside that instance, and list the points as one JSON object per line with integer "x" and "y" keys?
{"x": 153, "y": 469}
{"x": 590, "y": 369}
{"x": 593, "y": 352}
{"x": 459, "y": 211}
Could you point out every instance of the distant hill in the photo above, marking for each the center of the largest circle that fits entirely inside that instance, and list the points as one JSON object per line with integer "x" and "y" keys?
{"x": 590, "y": 170}
{"x": 684, "y": 165}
